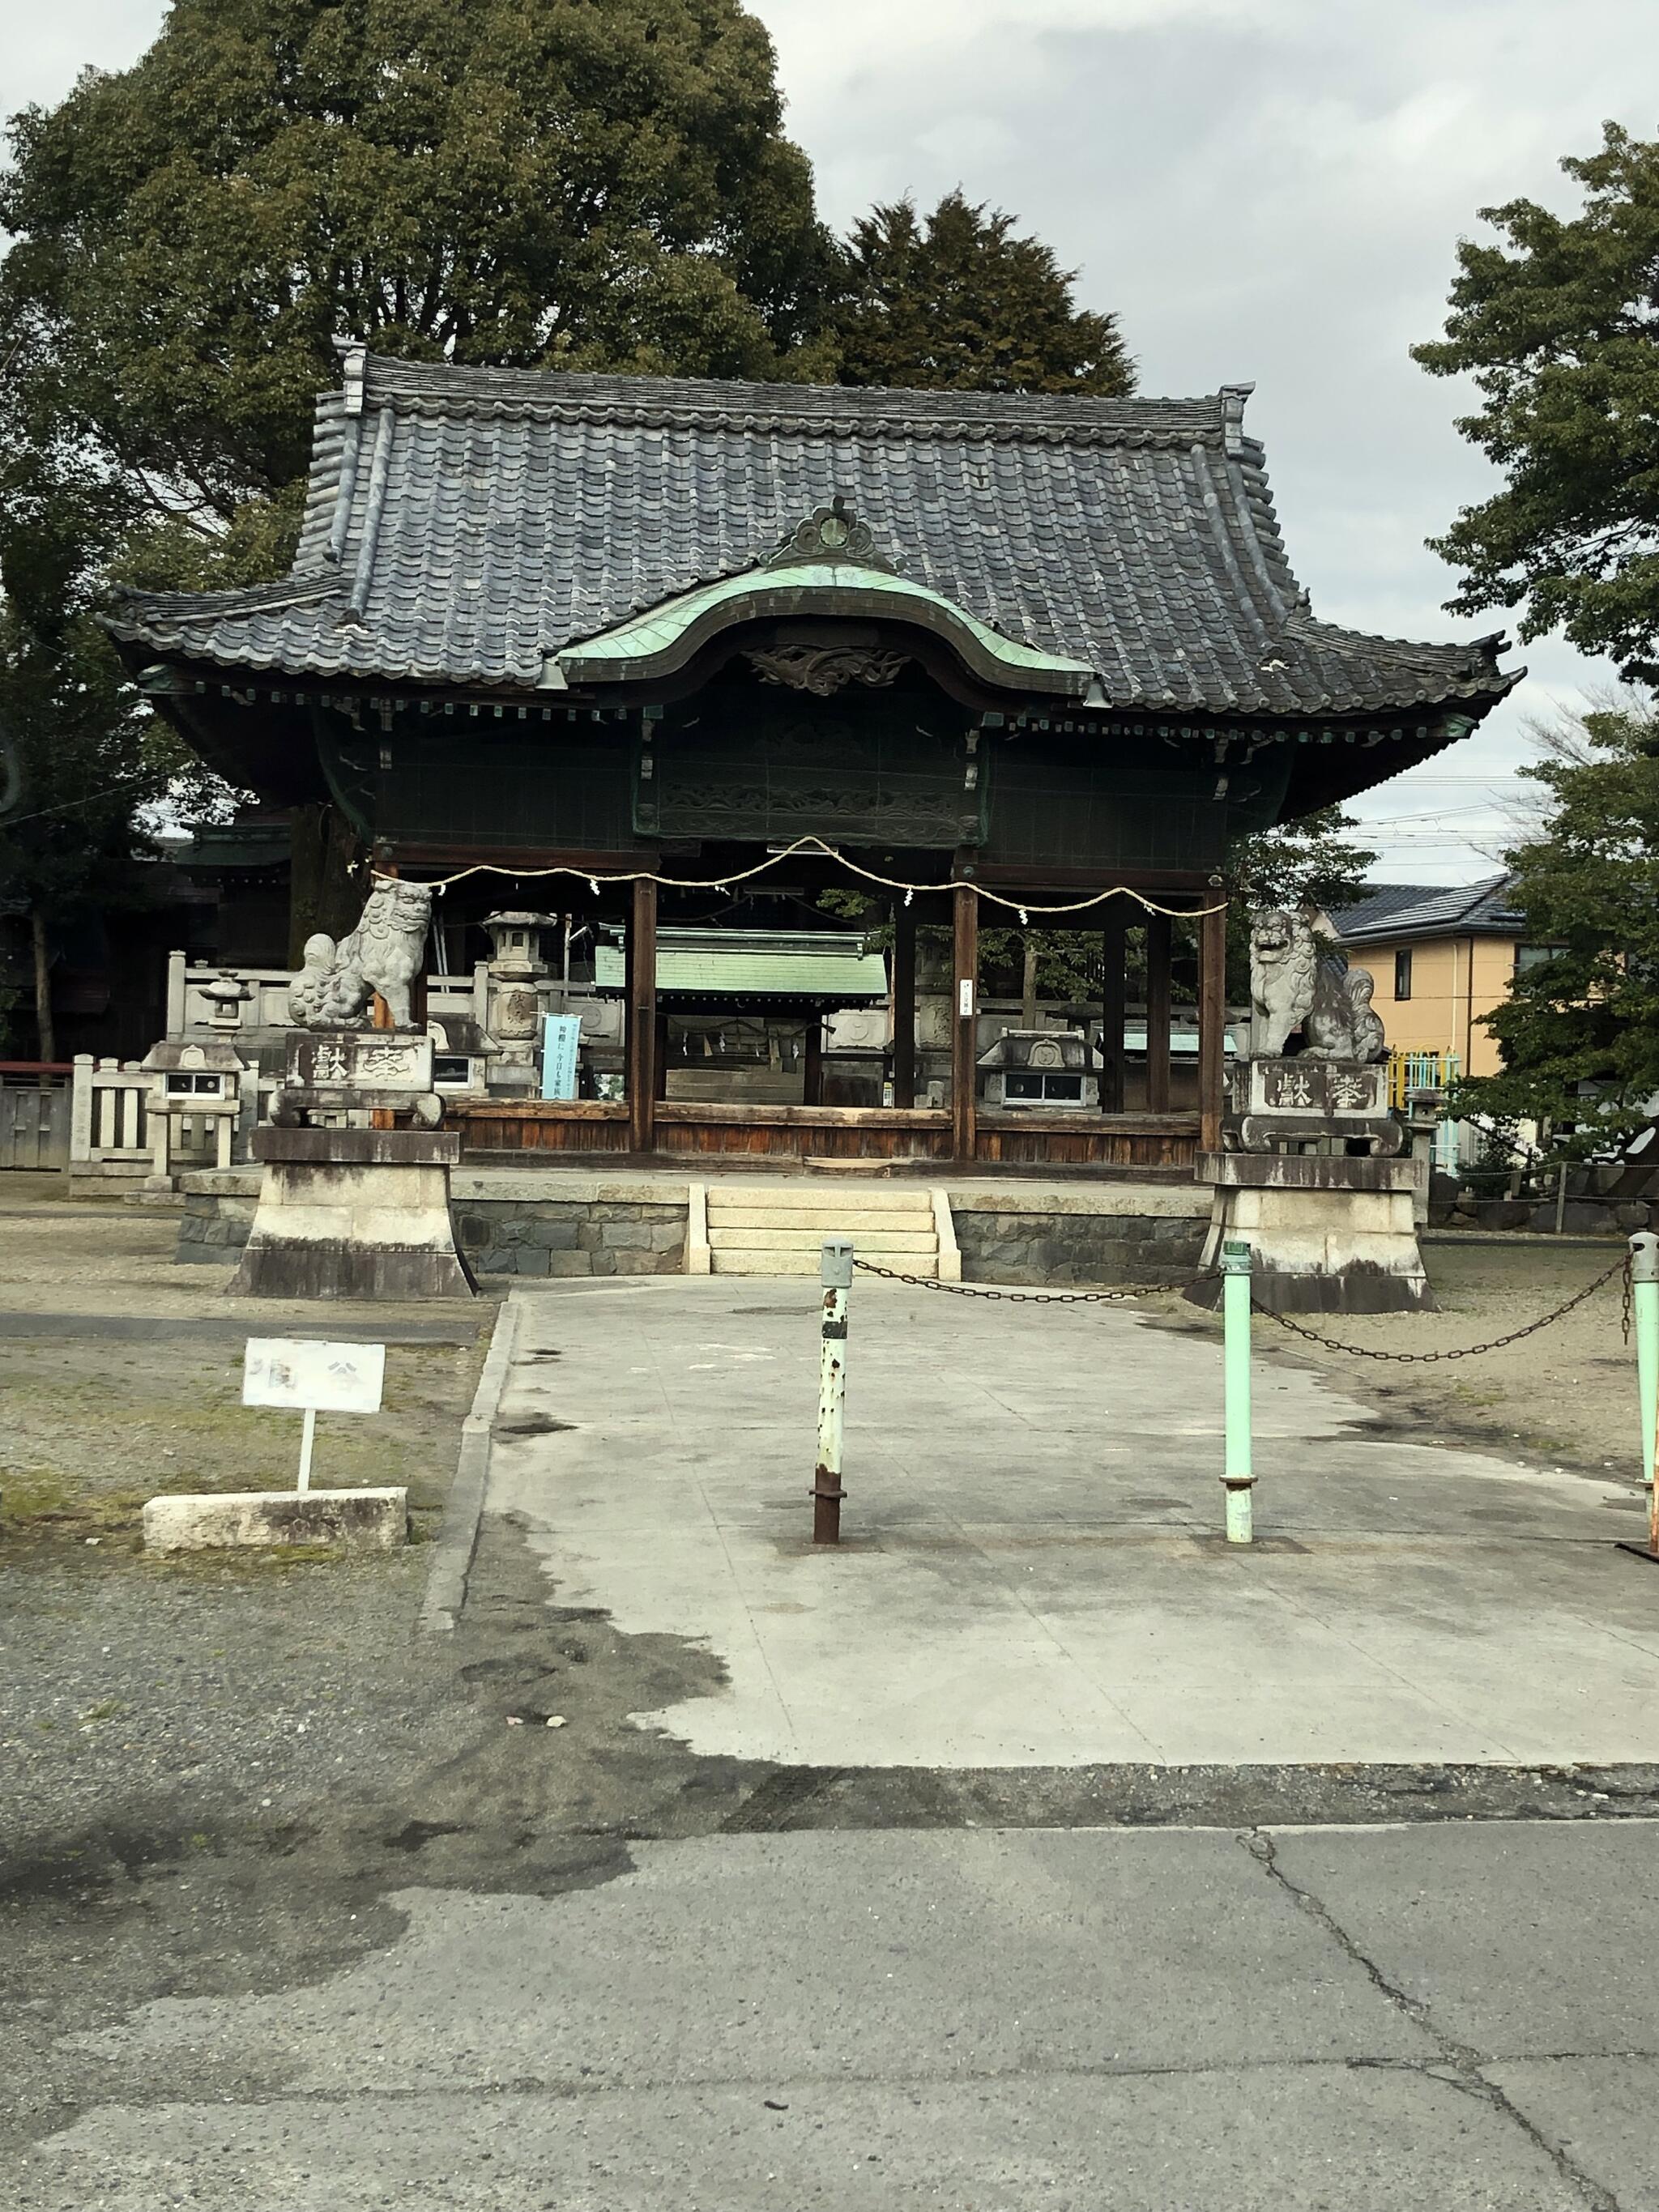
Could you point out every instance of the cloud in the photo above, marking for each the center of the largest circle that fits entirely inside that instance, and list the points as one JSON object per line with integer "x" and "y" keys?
{"x": 1271, "y": 191}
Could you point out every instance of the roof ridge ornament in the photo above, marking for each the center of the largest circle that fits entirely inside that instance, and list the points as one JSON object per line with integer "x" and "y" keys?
{"x": 830, "y": 533}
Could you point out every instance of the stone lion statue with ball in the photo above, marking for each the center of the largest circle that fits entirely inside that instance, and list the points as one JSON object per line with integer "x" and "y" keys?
{"x": 383, "y": 953}
{"x": 1292, "y": 990}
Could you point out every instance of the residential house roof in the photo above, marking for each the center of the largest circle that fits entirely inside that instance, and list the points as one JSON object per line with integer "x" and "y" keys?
{"x": 1392, "y": 910}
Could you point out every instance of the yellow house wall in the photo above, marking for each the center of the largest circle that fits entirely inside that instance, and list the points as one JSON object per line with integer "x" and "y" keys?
{"x": 1455, "y": 979}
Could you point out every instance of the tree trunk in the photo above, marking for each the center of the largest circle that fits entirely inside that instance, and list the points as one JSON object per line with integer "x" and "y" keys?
{"x": 48, "y": 1034}
{"x": 323, "y": 893}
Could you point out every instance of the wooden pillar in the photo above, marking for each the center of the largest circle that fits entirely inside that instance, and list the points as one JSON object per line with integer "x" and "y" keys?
{"x": 661, "y": 1053}
{"x": 1158, "y": 1014}
{"x": 1114, "y": 993}
{"x": 1212, "y": 1025}
{"x": 904, "y": 1005}
{"x": 964, "y": 1026}
{"x": 811, "y": 1087}
{"x": 642, "y": 1017}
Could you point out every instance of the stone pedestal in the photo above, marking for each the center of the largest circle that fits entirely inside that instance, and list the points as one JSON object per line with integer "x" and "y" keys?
{"x": 353, "y": 1214}
{"x": 1326, "y": 1234}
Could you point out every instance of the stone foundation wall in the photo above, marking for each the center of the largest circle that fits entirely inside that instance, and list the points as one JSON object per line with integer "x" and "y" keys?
{"x": 1076, "y": 1249}
{"x": 215, "y": 1224}
{"x": 541, "y": 1222}
{"x": 570, "y": 1236}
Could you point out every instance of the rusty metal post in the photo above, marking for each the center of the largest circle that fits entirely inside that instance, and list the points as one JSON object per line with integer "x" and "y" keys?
{"x": 835, "y": 1273}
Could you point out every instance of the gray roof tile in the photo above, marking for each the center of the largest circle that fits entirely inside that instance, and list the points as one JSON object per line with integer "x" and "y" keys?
{"x": 525, "y": 512}
{"x": 1430, "y": 909}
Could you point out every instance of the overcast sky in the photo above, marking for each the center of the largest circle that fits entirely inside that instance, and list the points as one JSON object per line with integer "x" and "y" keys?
{"x": 1262, "y": 189}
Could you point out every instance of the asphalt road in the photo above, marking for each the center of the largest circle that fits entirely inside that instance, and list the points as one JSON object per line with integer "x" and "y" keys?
{"x": 1457, "y": 2015}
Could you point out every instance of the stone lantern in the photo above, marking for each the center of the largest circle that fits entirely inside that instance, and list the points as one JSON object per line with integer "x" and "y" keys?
{"x": 518, "y": 976}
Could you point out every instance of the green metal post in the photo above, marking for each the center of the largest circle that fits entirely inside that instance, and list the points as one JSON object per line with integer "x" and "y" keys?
{"x": 1645, "y": 1303}
{"x": 1237, "y": 1476}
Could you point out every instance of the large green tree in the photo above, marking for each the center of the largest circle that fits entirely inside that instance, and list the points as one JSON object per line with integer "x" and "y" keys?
{"x": 546, "y": 183}
{"x": 1585, "y": 1012}
{"x": 958, "y": 300}
{"x": 1558, "y": 323}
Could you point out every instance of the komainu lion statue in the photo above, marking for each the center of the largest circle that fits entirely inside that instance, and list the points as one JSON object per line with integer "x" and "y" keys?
{"x": 383, "y": 953}
{"x": 1293, "y": 989}
{"x": 1283, "y": 967}
{"x": 1342, "y": 1024}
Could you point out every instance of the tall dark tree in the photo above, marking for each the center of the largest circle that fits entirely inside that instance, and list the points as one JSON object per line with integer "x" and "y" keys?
{"x": 956, "y": 301}
{"x": 82, "y": 759}
{"x": 1558, "y": 326}
{"x": 548, "y": 183}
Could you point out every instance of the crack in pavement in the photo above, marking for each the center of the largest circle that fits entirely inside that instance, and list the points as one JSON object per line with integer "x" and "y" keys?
{"x": 1459, "y": 2065}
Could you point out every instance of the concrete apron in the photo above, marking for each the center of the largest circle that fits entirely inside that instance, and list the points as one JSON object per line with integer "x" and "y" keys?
{"x": 1032, "y": 1573}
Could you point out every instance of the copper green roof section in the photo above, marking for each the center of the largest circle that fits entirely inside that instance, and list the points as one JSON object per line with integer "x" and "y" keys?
{"x": 787, "y": 965}
{"x": 664, "y": 639}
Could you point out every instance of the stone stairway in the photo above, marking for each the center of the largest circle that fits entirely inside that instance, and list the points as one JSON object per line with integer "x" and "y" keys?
{"x": 777, "y": 1227}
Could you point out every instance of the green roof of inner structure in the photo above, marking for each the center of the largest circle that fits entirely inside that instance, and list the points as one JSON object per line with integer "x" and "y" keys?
{"x": 666, "y": 637}
{"x": 755, "y": 963}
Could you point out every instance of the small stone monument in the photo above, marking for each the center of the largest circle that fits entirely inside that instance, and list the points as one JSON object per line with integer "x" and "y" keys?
{"x": 1044, "y": 1069}
{"x": 1330, "y": 1226}
{"x": 519, "y": 976}
{"x": 348, "y": 1210}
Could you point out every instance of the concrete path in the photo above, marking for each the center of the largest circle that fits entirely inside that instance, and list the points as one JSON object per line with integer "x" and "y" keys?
{"x": 1032, "y": 1575}
{"x": 1374, "y": 2020}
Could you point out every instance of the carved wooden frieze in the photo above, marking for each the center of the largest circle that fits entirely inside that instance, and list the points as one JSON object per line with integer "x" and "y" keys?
{"x": 825, "y": 669}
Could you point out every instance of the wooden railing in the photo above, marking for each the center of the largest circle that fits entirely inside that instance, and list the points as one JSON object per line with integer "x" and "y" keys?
{"x": 1166, "y": 1142}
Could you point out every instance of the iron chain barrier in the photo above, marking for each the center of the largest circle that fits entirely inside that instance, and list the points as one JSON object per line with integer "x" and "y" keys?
{"x": 1024, "y": 1298}
{"x": 1638, "y": 1265}
{"x": 1621, "y": 1266}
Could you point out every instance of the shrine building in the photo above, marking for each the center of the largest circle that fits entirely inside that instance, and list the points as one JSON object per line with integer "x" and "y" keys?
{"x": 626, "y": 646}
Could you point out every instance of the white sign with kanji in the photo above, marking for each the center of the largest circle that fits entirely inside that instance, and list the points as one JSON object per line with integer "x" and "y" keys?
{"x": 305, "y": 1376}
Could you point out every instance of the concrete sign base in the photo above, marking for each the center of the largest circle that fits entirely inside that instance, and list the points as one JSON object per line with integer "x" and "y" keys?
{"x": 1327, "y": 1235}
{"x": 353, "y": 1214}
{"x": 357, "y": 1520}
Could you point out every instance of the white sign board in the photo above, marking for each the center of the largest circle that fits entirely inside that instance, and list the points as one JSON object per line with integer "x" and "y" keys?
{"x": 560, "y": 1034}
{"x": 305, "y": 1376}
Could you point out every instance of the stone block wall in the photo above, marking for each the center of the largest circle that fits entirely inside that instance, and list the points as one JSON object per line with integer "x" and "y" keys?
{"x": 571, "y": 1236}
{"x": 1083, "y": 1251}
{"x": 215, "y": 1225}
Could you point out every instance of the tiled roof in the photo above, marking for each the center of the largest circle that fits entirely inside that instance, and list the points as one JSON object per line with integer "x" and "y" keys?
{"x": 1390, "y": 910}
{"x": 464, "y": 525}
